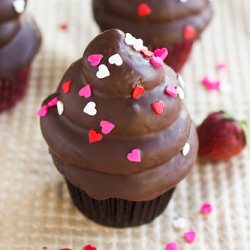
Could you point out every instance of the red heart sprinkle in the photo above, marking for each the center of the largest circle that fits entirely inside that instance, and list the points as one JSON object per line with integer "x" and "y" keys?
{"x": 189, "y": 32}
{"x": 89, "y": 247}
{"x": 64, "y": 26}
{"x": 138, "y": 91}
{"x": 158, "y": 107}
{"x": 94, "y": 136}
{"x": 66, "y": 86}
{"x": 147, "y": 53}
{"x": 144, "y": 10}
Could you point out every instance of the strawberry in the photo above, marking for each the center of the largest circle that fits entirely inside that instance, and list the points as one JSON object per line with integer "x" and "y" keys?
{"x": 221, "y": 136}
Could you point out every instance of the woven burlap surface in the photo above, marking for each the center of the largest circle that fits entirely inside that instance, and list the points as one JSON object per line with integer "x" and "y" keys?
{"x": 35, "y": 207}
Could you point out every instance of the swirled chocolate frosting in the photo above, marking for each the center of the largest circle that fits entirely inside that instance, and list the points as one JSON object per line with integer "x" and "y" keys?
{"x": 19, "y": 37}
{"x": 117, "y": 126}
{"x": 158, "y": 23}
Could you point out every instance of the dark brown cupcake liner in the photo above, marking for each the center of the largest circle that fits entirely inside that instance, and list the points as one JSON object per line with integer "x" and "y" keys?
{"x": 118, "y": 212}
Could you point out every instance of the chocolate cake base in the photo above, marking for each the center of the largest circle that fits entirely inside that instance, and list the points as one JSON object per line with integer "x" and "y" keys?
{"x": 117, "y": 212}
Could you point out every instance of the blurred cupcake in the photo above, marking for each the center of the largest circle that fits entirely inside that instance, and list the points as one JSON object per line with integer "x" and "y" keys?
{"x": 19, "y": 42}
{"x": 174, "y": 24}
{"x": 119, "y": 132}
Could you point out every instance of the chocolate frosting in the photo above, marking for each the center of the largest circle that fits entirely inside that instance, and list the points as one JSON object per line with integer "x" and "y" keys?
{"x": 15, "y": 31}
{"x": 101, "y": 169}
{"x": 165, "y": 24}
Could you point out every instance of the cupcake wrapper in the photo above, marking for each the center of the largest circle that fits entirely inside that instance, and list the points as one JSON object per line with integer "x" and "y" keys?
{"x": 178, "y": 55}
{"x": 117, "y": 212}
{"x": 13, "y": 90}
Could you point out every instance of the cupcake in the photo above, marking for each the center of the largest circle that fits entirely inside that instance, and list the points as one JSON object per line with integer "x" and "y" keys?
{"x": 174, "y": 24}
{"x": 19, "y": 42}
{"x": 119, "y": 132}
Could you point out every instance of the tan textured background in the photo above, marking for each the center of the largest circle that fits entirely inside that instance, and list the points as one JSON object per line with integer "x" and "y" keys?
{"x": 35, "y": 208}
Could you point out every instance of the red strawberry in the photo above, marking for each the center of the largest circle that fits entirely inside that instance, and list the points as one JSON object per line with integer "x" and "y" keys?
{"x": 221, "y": 136}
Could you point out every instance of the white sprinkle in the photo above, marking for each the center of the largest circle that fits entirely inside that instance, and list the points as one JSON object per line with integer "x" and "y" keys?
{"x": 179, "y": 223}
{"x": 180, "y": 92}
{"x": 138, "y": 45}
{"x": 129, "y": 39}
{"x": 186, "y": 149}
{"x": 19, "y": 6}
{"x": 60, "y": 107}
{"x": 102, "y": 72}
{"x": 90, "y": 109}
{"x": 180, "y": 79}
{"x": 116, "y": 60}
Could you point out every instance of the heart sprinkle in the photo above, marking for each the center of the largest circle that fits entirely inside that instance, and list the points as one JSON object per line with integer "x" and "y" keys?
{"x": 189, "y": 236}
{"x": 43, "y": 111}
{"x": 222, "y": 66}
{"x": 138, "y": 92}
{"x": 60, "y": 108}
{"x": 144, "y": 10}
{"x": 171, "y": 90}
{"x": 180, "y": 92}
{"x": 162, "y": 53}
{"x": 95, "y": 59}
{"x": 172, "y": 246}
{"x": 64, "y": 26}
{"x": 147, "y": 53}
{"x": 106, "y": 126}
{"x": 89, "y": 247}
{"x": 94, "y": 136}
{"x": 66, "y": 86}
{"x": 186, "y": 149}
{"x": 102, "y": 72}
{"x": 179, "y": 223}
{"x": 90, "y": 109}
{"x": 53, "y": 102}
{"x": 85, "y": 91}
{"x": 158, "y": 107}
{"x": 209, "y": 84}
{"x": 116, "y": 60}
{"x": 206, "y": 208}
{"x": 129, "y": 39}
{"x": 19, "y": 6}
{"x": 134, "y": 155}
{"x": 180, "y": 79}
{"x": 189, "y": 32}
{"x": 138, "y": 45}
{"x": 156, "y": 61}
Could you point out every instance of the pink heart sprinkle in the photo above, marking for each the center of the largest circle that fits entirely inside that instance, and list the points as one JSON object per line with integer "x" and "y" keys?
{"x": 106, "y": 126}
{"x": 222, "y": 66}
{"x": 209, "y": 84}
{"x": 156, "y": 61}
{"x": 190, "y": 236}
{"x": 53, "y": 102}
{"x": 162, "y": 53}
{"x": 95, "y": 59}
{"x": 206, "y": 208}
{"x": 171, "y": 90}
{"x": 43, "y": 111}
{"x": 172, "y": 246}
{"x": 134, "y": 155}
{"x": 85, "y": 91}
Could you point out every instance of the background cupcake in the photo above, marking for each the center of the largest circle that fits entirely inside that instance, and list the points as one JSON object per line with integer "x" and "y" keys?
{"x": 174, "y": 24}
{"x": 120, "y": 134}
{"x": 19, "y": 42}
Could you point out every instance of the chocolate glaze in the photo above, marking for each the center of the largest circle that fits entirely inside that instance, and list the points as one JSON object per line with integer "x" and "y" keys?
{"x": 15, "y": 31}
{"x": 163, "y": 27}
{"x": 159, "y": 137}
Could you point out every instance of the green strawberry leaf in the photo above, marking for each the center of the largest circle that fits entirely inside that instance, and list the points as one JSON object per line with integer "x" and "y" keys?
{"x": 245, "y": 129}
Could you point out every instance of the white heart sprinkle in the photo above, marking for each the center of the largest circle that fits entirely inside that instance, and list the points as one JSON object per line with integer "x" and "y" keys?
{"x": 116, "y": 59}
{"x": 90, "y": 109}
{"x": 138, "y": 45}
{"x": 129, "y": 39}
{"x": 179, "y": 223}
{"x": 180, "y": 79}
{"x": 102, "y": 72}
{"x": 180, "y": 92}
{"x": 186, "y": 149}
{"x": 19, "y": 6}
{"x": 60, "y": 107}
